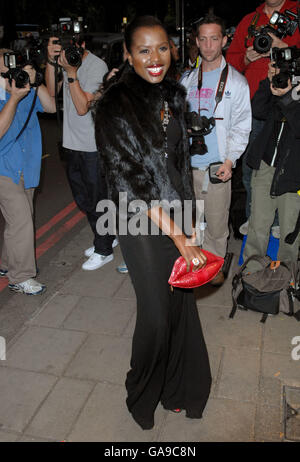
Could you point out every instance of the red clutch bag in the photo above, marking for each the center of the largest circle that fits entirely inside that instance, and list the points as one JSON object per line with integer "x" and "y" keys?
{"x": 188, "y": 280}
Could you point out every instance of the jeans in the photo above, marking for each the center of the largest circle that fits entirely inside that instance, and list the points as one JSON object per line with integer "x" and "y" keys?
{"x": 88, "y": 185}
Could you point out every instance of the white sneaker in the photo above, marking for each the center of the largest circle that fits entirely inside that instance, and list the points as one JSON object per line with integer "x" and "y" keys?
{"x": 96, "y": 261}
{"x": 29, "y": 287}
{"x": 243, "y": 229}
{"x": 88, "y": 252}
{"x": 275, "y": 230}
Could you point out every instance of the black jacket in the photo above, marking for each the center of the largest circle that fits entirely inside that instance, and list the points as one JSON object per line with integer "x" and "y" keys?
{"x": 130, "y": 139}
{"x": 266, "y": 106}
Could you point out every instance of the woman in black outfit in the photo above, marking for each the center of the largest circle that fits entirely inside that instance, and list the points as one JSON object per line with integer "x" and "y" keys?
{"x": 169, "y": 358}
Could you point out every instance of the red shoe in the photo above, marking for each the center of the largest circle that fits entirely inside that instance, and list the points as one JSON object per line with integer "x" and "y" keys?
{"x": 176, "y": 410}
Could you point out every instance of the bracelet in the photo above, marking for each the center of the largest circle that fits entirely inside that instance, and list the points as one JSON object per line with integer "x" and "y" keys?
{"x": 53, "y": 63}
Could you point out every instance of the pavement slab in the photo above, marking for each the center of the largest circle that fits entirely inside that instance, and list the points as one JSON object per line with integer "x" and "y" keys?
{"x": 21, "y": 393}
{"x": 66, "y": 400}
{"x": 223, "y": 420}
{"x": 44, "y": 350}
{"x": 102, "y": 358}
{"x": 105, "y": 418}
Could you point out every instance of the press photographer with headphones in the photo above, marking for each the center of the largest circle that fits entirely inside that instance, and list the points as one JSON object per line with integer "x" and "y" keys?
{"x": 83, "y": 73}
{"x": 20, "y": 165}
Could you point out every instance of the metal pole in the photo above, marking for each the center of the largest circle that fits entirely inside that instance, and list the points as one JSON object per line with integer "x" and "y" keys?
{"x": 177, "y": 15}
{"x": 182, "y": 33}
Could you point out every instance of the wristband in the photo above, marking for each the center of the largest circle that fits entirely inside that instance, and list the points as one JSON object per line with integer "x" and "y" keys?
{"x": 53, "y": 63}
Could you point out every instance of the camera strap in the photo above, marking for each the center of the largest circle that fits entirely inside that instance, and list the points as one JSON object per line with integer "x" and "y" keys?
{"x": 253, "y": 23}
{"x": 220, "y": 89}
{"x": 29, "y": 115}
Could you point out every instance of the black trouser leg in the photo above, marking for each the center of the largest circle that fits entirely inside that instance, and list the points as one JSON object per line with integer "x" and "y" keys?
{"x": 88, "y": 187}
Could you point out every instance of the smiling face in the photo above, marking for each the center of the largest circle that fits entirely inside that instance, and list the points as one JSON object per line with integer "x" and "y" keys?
{"x": 150, "y": 53}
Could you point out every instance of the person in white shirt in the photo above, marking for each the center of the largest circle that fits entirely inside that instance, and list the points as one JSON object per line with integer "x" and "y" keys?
{"x": 215, "y": 89}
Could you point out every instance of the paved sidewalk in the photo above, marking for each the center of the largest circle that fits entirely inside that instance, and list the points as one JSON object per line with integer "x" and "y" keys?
{"x": 63, "y": 379}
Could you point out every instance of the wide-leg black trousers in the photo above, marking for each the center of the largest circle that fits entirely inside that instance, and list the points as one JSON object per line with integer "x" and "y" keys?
{"x": 169, "y": 360}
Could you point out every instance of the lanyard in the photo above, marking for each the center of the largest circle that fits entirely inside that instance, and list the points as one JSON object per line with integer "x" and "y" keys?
{"x": 29, "y": 115}
{"x": 221, "y": 86}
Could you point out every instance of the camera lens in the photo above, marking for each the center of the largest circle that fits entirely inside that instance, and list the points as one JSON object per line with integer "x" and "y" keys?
{"x": 73, "y": 56}
{"x": 21, "y": 77}
{"x": 198, "y": 146}
{"x": 262, "y": 43}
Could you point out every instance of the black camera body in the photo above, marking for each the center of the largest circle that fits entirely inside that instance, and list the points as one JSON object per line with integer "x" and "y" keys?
{"x": 72, "y": 52}
{"x": 280, "y": 24}
{"x": 15, "y": 72}
{"x": 287, "y": 60}
{"x": 69, "y": 38}
{"x": 198, "y": 127}
{"x": 262, "y": 40}
{"x": 15, "y": 61}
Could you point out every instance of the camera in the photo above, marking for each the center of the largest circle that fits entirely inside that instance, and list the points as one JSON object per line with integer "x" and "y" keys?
{"x": 15, "y": 72}
{"x": 199, "y": 127}
{"x": 72, "y": 52}
{"x": 280, "y": 24}
{"x": 69, "y": 32}
{"x": 15, "y": 61}
{"x": 287, "y": 60}
{"x": 34, "y": 51}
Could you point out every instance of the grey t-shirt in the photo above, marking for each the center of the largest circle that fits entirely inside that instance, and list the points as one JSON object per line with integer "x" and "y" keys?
{"x": 78, "y": 131}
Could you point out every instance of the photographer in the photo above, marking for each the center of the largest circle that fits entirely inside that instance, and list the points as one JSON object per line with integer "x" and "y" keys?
{"x": 86, "y": 180}
{"x": 217, "y": 90}
{"x": 242, "y": 55}
{"x": 20, "y": 164}
{"x": 274, "y": 156}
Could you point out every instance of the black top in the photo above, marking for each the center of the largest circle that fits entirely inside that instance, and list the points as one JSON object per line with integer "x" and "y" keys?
{"x": 131, "y": 141}
{"x": 174, "y": 137}
{"x": 272, "y": 109}
{"x": 273, "y": 146}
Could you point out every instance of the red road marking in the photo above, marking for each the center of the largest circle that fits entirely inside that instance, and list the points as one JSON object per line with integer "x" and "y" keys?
{"x": 55, "y": 237}
{"x": 3, "y": 283}
{"x": 58, "y": 217}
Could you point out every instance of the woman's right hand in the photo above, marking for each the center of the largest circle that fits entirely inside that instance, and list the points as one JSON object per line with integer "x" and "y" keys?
{"x": 190, "y": 251}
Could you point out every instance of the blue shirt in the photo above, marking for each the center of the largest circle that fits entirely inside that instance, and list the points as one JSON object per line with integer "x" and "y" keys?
{"x": 24, "y": 155}
{"x": 210, "y": 82}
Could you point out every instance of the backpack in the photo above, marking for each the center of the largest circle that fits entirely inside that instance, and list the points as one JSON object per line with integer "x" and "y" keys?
{"x": 269, "y": 290}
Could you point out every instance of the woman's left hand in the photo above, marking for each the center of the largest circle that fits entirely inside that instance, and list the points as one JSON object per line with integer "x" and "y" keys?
{"x": 190, "y": 252}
